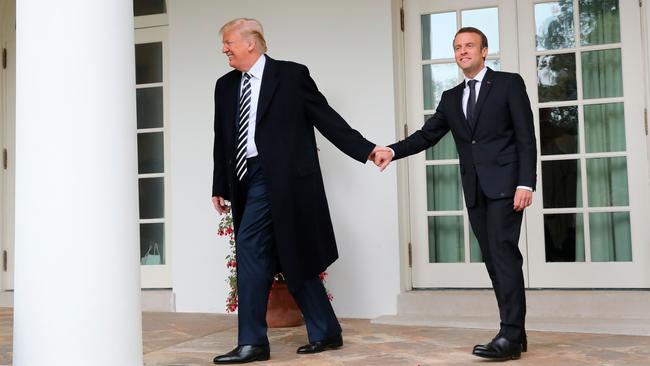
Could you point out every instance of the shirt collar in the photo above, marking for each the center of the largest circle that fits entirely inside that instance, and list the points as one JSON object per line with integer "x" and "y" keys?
{"x": 479, "y": 77}
{"x": 258, "y": 68}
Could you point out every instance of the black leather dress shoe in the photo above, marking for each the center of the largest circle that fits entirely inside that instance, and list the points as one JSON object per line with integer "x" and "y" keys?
{"x": 524, "y": 344}
{"x": 500, "y": 349}
{"x": 320, "y": 346}
{"x": 244, "y": 354}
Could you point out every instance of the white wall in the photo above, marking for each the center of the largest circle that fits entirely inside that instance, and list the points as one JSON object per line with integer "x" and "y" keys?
{"x": 348, "y": 48}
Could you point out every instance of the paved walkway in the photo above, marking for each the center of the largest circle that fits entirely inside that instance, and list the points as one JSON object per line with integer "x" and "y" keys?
{"x": 176, "y": 339}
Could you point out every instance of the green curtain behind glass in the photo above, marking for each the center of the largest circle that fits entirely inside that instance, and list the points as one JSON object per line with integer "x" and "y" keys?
{"x": 605, "y": 132}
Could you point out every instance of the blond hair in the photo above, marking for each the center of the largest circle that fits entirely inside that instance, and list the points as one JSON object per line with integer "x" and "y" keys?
{"x": 247, "y": 28}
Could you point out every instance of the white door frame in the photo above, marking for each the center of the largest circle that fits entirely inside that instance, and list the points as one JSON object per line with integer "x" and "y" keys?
{"x": 425, "y": 274}
{"x": 645, "y": 34}
{"x": 8, "y": 142}
{"x": 568, "y": 275}
{"x": 587, "y": 274}
{"x": 158, "y": 276}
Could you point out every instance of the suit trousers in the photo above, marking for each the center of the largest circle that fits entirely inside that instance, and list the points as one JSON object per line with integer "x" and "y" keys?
{"x": 497, "y": 226}
{"x": 257, "y": 262}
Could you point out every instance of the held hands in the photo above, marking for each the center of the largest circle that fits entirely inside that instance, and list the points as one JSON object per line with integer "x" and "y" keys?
{"x": 381, "y": 156}
{"x": 220, "y": 205}
{"x": 523, "y": 198}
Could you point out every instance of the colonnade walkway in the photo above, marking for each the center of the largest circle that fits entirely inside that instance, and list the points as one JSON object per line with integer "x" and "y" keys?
{"x": 194, "y": 339}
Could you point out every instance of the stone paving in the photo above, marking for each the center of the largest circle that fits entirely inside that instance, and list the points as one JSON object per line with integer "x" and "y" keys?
{"x": 176, "y": 339}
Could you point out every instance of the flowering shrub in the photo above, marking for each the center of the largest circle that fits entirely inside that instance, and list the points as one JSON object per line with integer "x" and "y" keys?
{"x": 226, "y": 229}
{"x": 322, "y": 277}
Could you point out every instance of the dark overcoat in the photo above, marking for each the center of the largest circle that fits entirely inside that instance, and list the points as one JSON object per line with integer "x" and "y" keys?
{"x": 288, "y": 109}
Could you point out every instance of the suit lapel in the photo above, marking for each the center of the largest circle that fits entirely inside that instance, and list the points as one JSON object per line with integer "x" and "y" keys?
{"x": 270, "y": 81}
{"x": 486, "y": 86}
{"x": 231, "y": 104}
{"x": 458, "y": 102}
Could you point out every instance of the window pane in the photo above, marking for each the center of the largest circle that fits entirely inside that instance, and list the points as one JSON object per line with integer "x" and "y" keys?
{"x": 435, "y": 80}
{"x": 599, "y": 22}
{"x": 605, "y": 127}
{"x": 438, "y": 32}
{"x": 474, "y": 249}
{"x": 601, "y": 74}
{"x": 554, "y": 24}
{"x": 564, "y": 237}
{"x": 558, "y": 130}
{"x": 150, "y": 107}
{"x": 607, "y": 182}
{"x": 148, "y": 63}
{"x": 446, "y": 240}
{"x": 152, "y": 244}
{"x": 561, "y": 183}
{"x": 556, "y": 77}
{"x": 152, "y": 198}
{"x": 150, "y": 153}
{"x": 610, "y": 237}
{"x": 148, "y": 7}
{"x": 487, "y": 20}
{"x": 444, "y": 149}
{"x": 443, "y": 188}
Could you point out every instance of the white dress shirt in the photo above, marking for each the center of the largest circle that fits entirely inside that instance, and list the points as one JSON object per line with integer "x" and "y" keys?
{"x": 256, "y": 73}
{"x": 477, "y": 87}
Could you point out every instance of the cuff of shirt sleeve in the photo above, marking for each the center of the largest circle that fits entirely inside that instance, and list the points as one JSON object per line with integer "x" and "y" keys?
{"x": 392, "y": 152}
{"x": 525, "y": 187}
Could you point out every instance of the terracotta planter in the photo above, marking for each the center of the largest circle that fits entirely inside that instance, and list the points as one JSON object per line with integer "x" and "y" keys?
{"x": 282, "y": 310}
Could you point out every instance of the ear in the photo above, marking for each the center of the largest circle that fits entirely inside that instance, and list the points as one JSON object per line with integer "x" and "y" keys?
{"x": 251, "y": 44}
{"x": 484, "y": 52}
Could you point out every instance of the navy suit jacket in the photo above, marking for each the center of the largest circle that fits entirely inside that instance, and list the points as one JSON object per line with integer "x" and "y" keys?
{"x": 499, "y": 153}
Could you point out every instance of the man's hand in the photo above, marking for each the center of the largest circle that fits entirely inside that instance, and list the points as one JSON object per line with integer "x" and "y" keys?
{"x": 381, "y": 156}
{"x": 523, "y": 198}
{"x": 220, "y": 205}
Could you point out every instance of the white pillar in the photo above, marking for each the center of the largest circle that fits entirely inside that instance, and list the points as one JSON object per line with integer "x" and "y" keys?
{"x": 77, "y": 278}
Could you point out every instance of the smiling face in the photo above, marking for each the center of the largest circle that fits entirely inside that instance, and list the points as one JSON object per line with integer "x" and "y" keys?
{"x": 469, "y": 54}
{"x": 241, "y": 51}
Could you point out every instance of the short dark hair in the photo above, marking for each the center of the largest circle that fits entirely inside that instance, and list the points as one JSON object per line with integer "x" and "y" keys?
{"x": 484, "y": 40}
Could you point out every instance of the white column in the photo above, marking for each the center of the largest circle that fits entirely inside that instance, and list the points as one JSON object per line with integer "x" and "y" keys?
{"x": 77, "y": 289}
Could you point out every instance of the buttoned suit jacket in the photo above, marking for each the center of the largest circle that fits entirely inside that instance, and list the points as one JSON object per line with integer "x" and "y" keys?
{"x": 497, "y": 150}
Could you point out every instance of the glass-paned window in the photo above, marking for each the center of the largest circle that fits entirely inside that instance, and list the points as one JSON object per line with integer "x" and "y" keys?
{"x": 582, "y": 131}
{"x": 554, "y": 25}
{"x": 446, "y": 239}
{"x": 447, "y": 218}
{"x": 599, "y": 22}
{"x": 149, "y": 7}
{"x": 150, "y": 80}
{"x": 564, "y": 237}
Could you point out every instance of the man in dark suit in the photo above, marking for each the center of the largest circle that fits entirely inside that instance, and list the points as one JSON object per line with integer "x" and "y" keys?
{"x": 490, "y": 118}
{"x": 266, "y": 165}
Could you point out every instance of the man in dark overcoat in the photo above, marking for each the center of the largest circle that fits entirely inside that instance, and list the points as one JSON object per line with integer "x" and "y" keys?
{"x": 266, "y": 165}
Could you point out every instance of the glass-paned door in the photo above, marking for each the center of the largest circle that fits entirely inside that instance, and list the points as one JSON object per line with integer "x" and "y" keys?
{"x": 445, "y": 251}
{"x": 582, "y": 63}
{"x": 150, "y": 75}
{"x": 583, "y": 67}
